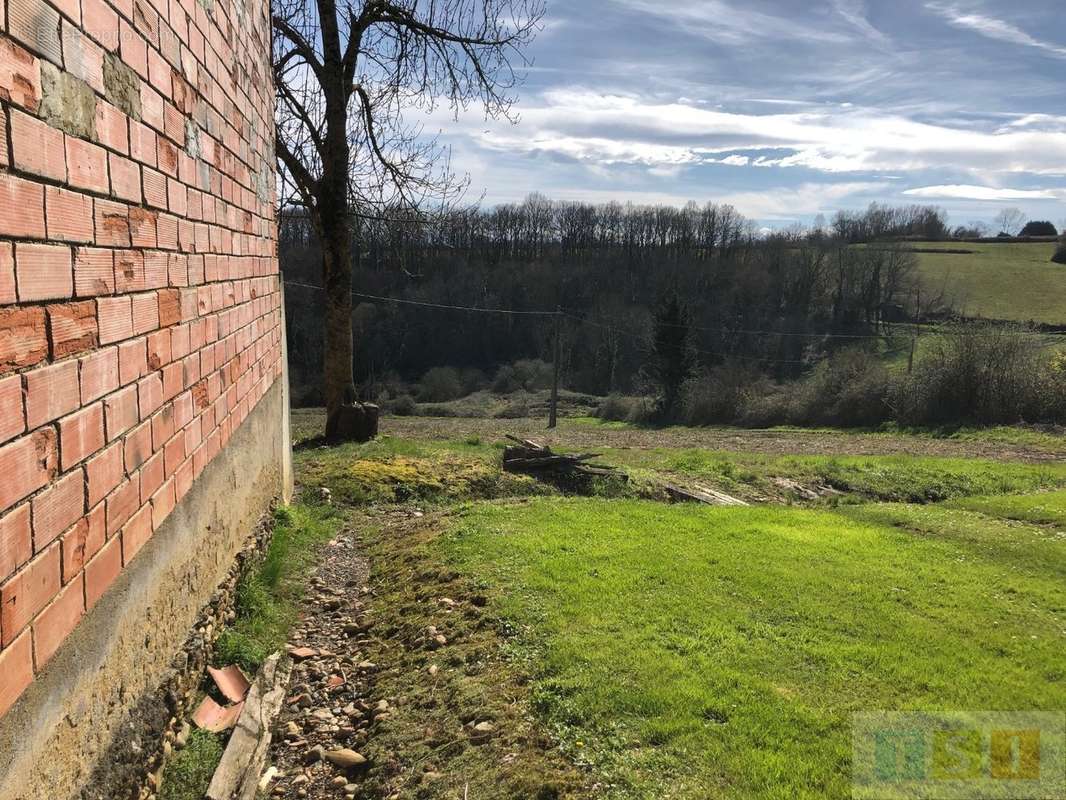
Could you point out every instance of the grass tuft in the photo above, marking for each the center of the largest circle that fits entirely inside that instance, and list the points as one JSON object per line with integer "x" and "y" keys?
{"x": 268, "y": 596}
{"x": 189, "y": 774}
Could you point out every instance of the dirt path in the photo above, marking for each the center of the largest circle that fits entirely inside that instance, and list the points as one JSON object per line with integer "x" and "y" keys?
{"x": 403, "y": 667}
{"x": 773, "y": 442}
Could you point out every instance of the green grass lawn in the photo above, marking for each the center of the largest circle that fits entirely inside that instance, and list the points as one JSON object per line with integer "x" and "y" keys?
{"x": 998, "y": 281}
{"x": 687, "y": 652}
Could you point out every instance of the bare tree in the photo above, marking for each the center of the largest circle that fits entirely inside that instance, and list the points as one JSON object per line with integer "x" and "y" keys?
{"x": 1009, "y": 221}
{"x": 356, "y": 81}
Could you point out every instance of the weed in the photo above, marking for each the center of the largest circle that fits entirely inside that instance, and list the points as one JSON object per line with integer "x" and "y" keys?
{"x": 189, "y": 774}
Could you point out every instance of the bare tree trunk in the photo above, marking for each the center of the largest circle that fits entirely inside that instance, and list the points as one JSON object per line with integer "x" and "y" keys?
{"x": 338, "y": 379}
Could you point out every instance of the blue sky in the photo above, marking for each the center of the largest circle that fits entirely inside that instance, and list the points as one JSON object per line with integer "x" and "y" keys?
{"x": 786, "y": 108}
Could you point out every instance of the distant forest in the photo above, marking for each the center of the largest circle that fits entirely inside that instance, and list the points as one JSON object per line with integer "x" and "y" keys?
{"x": 781, "y": 303}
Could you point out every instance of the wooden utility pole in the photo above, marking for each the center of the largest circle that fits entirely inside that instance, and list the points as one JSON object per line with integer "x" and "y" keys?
{"x": 553, "y": 414}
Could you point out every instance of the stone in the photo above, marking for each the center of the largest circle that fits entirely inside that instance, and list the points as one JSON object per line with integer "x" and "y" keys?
{"x": 122, "y": 86}
{"x": 345, "y": 758}
{"x": 314, "y": 755}
{"x": 67, "y": 103}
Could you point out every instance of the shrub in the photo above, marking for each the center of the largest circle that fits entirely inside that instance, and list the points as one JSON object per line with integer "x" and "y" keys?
{"x": 506, "y": 381}
{"x": 852, "y": 388}
{"x": 615, "y": 408}
{"x": 720, "y": 395}
{"x": 517, "y": 409}
{"x": 1060, "y": 253}
{"x": 404, "y": 406}
{"x": 533, "y": 374}
{"x": 1039, "y": 228}
{"x": 473, "y": 380}
{"x": 980, "y": 374}
{"x": 440, "y": 385}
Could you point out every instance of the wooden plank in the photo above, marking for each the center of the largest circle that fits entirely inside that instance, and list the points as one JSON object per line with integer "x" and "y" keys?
{"x": 237, "y": 775}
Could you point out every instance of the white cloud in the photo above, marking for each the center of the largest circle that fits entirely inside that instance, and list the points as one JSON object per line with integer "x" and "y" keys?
{"x": 965, "y": 192}
{"x": 854, "y": 12}
{"x": 617, "y": 129}
{"x": 725, "y": 23}
{"x": 993, "y": 28}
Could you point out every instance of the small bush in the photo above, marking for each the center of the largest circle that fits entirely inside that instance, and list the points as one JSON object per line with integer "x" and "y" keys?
{"x": 506, "y": 381}
{"x": 616, "y": 408}
{"x": 517, "y": 409}
{"x": 850, "y": 389}
{"x": 404, "y": 406}
{"x": 473, "y": 380}
{"x": 1060, "y": 253}
{"x": 533, "y": 374}
{"x": 440, "y": 384}
{"x": 979, "y": 374}
{"x": 720, "y": 395}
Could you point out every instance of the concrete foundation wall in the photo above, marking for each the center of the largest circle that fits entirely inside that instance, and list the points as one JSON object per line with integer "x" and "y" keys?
{"x": 51, "y": 739}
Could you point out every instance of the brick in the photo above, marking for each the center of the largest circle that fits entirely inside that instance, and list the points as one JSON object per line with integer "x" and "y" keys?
{"x": 143, "y": 227}
{"x": 135, "y": 533}
{"x": 7, "y": 271}
{"x": 138, "y": 447}
{"x": 23, "y": 338}
{"x": 101, "y": 572}
{"x": 167, "y": 231}
{"x": 69, "y": 8}
{"x": 152, "y": 108}
{"x": 120, "y": 412}
{"x": 150, "y": 394}
{"x": 155, "y": 188}
{"x": 143, "y": 145}
{"x": 125, "y": 178}
{"x": 167, "y": 158}
{"x": 83, "y": 541}
{"x": 20, "y": 76}
{"x": 112, "y": 224}
{"x": 86, "y": 165}
{"x": 163, "y": 502}
{"x": 155, "y": 269}
{"x": 16, "y": 540}
{"x": 27, "y": 464}
{"x": 129, "y": 271}
{"x": 183, "y": 477}
{"x": 21, "y": 207}
{"x": 159, "y": 350}
{"x": 16, "y": 665}
{"x": 173, "y": 380}
{"x": 36, "y": 26}
{"x": 112, "y": 127}
{"x": 121, "y": 504}
{"x": 43, "y": 272}
{"x": 84, "y": 58}
{"x": 169, "y": 307}
{"x": 94, "y": 271}
{"x": 152, "y": 475}
{"x": 57, "y": 508}
{"x": 72, "y": 327}
{"x": 36, "y": 147}
{"x": 98, "y": 374}
{"x": 132, "y": 361}
{"x": 133, "y": 49}
{"x": 174, "y": 454}
{"x": 100, "y": 22}
{"x": 115, "y": 319}
{"x": 12, "y": 414}
{"x": 177, "y": 197}
{"x": 104, "y": 473}
{"x": 80, "y": 435}
{"x": 58, "y": 621}
{"x": 68, "y": 215}
{"x": 51, "y": 392}
{"x": 145, "y": 313}
{"x": 163, "y": 427}
{"x": 30, "y": 590}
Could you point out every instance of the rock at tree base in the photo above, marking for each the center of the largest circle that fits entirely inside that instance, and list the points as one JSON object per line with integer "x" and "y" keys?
{"x": 354, "y": 422}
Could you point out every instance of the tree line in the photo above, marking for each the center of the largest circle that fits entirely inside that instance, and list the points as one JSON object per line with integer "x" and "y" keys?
{"x": 781, "y": 302}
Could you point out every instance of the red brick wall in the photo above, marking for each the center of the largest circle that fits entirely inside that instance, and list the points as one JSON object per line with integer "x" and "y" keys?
{"x": 139, "y": 288}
